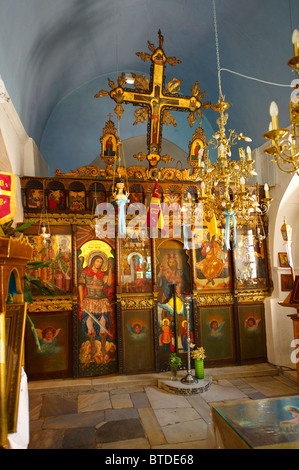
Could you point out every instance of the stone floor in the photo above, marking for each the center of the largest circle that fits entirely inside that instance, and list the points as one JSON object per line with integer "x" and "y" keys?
{"x": 133, "y": 412}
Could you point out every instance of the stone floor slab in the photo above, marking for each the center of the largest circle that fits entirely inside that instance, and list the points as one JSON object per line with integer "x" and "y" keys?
{"x": 185, "y": 432}
{"x": 35, "y": 405}
{"x": 121, "y": 400}
{"x": 161, "y": 399}
{"x": 54, "y": 405}
{"x": 94, "y": 401}
{"x": 121, "y": 413}
{"x": 222, "y": 391}
{"x": 256, "y": 395}
{"x": 151, "y": 426}
{"x": 140, "y": 400}
{"x": 120, "y": 430}
{"x": 271, "y": 387}
{"x": 79, "y": 438}
{"x": 201, "y": 444}
{"x": 174, "y": 416}
{"x": 140, "y": 443}
{"x": 202, "y": 407}
{"x": 46, "y": 439}
{"x": 76, "y": 420}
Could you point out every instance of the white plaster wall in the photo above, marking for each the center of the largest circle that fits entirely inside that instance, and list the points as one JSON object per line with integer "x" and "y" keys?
{"x": 284, "y": 189}
{"x": 18, "y": 152}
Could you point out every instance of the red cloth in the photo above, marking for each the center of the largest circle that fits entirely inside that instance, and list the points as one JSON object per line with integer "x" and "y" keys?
{"x": 5, "y": 182}
{"x": 5, "y": 208}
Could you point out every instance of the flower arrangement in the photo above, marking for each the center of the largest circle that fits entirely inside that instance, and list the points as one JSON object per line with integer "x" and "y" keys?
{"x": 174, "y": 361}
{"x": 198, "y": 353}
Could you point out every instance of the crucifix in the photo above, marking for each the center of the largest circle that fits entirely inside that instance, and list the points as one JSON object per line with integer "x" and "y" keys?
{"x": 154, "y": 101}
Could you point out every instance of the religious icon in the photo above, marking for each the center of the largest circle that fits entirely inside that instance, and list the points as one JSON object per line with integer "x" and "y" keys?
{"x": 250, "y": 260}
{"x": 215, "y": 328}
{"x": 35, "y": 198}
{"x": 293, "y": 421}
{"x": 166, "y": 335}
{"x": 211, "y": 264}
{"x": 135, "y": 266}
{"x": 137, "y": 330}
{"x": 169, "y": 274}
{"x": 136, "y": 197}
{"x": 56, "y": 200}
{"x": 184, "y": 337}
{"x": 59, "y": 252}
{"x": 283, "y": 260}
{"x": 216, "y": 331}
{"x": 77, "y": 200}
{"x": 47, "y": 339}
{"x": 251, "y": 323}
{"x": 54, "y": 333}
{"x": 110, "y": 144}
{"x": 197, "y": 152}
{"x": 252, "y": 331}
{"x": 197, "y": 147}
{"x": 96, "y": 290}
{"x": 62, "y": 263}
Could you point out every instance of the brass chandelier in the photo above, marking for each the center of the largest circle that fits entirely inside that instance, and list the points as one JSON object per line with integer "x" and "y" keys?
{"x": 285, "y": 142}
{"x": 222, "y": 189}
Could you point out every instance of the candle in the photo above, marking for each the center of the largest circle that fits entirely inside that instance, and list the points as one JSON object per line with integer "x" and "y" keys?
{"x": 249, "y": 153}
{"x": 274, "y": 115}
{"x": 295, "y": 41}
{"x": 203, "y": 189}
{"x": 242, "y": 181}
{"x": 266, "y": 188}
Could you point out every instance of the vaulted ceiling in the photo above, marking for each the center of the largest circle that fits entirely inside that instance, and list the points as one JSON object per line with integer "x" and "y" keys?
{"x": 56, "y": 55}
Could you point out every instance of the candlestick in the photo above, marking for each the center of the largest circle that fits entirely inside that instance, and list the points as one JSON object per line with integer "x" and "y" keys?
{"x": 188, "y": 379}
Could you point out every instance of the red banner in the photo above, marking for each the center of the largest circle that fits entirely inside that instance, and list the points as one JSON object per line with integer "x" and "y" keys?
{"x": 154, "y": 214}
{"x": 4, "y": 206}
{"x": 5, "y": 182}
{"x": 7, "y": 197}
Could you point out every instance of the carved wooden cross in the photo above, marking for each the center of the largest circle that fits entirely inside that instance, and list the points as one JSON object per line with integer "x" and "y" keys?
{"x": 154, "y": 100}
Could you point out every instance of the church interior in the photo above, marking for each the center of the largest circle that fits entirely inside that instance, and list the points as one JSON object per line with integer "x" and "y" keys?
{"x": 149, "y": 159}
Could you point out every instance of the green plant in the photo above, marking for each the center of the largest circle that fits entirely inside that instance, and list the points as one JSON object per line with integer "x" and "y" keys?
{"x": 175, "y": 361}
{"x": 198, "y": 353}
{"x": 30, "y": 281}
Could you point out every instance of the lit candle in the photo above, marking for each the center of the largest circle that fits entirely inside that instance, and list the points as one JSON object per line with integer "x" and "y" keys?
{"x": 203, "y": 189}
{"x": 295, "y": 41}
{"x": 274, "y": 115}
{"x": 242, "y": 181}
{"x": 266, "y": 188}
{"x": 249, "y": 153}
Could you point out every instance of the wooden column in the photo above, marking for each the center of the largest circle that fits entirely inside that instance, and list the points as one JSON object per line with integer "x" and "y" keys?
{"x": 14, "y": 255}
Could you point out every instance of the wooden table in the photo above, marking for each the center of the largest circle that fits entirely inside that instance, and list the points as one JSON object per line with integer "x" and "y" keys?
{"x": 271, "y": 423}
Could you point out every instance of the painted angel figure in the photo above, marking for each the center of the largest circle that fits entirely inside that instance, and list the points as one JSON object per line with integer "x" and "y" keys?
{"x": 47, "y": 340}
{"x": 137, "y": 331}
{"x": 215, "y": 328}
{"x": 252, "y": 323}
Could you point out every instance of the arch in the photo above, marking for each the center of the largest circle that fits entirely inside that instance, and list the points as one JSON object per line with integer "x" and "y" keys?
{"x": 4, "y": 162}
{"x": 14, "y": 287}
{"x": 279, "y": 328}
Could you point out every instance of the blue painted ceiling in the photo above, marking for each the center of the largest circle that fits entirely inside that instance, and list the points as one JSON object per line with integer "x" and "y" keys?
{"x": 55, "y": 55}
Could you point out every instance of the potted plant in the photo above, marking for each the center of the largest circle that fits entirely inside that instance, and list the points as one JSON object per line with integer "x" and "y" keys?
{"x": 198, "y": 354}
{"x": 175, "y": 363}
